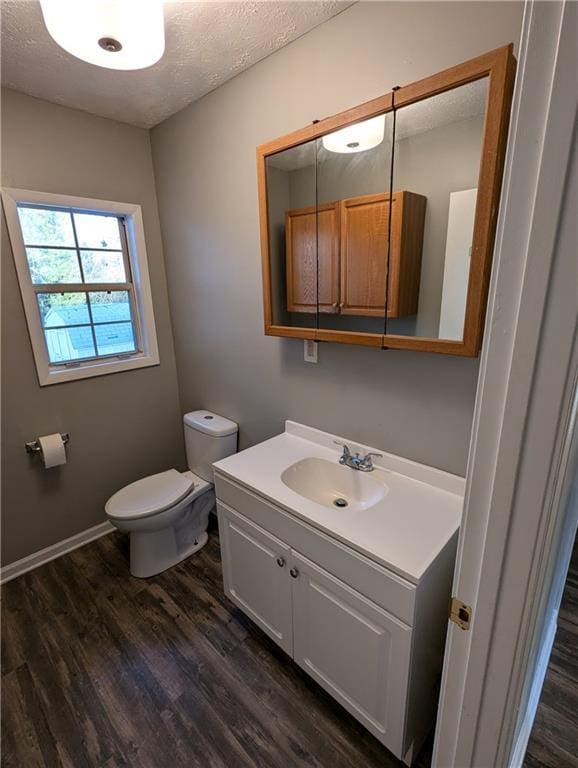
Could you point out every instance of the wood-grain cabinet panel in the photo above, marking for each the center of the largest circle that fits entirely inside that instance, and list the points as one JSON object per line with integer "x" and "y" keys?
{"x": 312, "y": 243}
{"x": 337, "y": 255}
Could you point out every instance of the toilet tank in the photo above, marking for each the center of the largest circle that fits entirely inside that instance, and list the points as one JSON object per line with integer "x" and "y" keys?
{"x": 208, "y": 438}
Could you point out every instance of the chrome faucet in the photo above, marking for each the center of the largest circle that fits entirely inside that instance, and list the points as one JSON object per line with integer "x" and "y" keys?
{"x": 355, "y": 461}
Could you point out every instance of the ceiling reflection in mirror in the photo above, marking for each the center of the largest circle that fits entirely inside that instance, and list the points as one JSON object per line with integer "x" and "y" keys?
{"x": 437, "y": 155}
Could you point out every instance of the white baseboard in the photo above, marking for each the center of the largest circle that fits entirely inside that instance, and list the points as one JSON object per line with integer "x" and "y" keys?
{"x": 51, "y": 553}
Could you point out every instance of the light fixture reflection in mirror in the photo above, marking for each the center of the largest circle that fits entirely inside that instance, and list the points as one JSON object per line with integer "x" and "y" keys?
{"x": 117, "y": 34}
{"x": 356, "y": 138}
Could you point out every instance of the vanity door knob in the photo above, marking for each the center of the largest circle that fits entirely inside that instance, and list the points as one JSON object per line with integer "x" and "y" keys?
{"x": 294, "y": 572}
{"x": 280, "y": 562}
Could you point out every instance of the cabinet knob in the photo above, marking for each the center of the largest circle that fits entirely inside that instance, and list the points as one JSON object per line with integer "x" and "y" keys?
{"x": 294, "y": 572}
{"x": 280, "y": 562}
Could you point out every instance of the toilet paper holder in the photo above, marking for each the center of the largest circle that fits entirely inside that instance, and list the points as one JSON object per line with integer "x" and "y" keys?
{"x": 34, "y": 446}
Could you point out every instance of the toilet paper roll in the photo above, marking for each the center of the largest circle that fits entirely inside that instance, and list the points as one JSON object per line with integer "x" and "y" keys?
{"x": 52, "y": 450}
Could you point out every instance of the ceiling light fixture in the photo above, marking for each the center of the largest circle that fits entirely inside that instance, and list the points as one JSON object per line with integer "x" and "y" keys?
{"x": 118, "y": 34}
{"x": 356, "y": 138}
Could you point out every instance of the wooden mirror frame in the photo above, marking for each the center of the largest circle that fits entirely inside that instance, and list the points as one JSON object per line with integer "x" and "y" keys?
{"x": 499, "y": 66}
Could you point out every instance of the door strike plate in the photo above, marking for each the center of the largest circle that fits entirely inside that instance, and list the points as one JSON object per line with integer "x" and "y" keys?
{"x": 460, "y": 613}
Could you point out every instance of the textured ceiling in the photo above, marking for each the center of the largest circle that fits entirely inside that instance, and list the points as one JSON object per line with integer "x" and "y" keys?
{"x": 207, "y": 43}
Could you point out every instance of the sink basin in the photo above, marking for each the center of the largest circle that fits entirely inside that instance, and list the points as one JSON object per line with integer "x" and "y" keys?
{"x": 334, "y": 485}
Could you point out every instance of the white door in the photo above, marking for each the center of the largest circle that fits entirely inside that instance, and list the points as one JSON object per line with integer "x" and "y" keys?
{"x": 352, "y": 648}
{"x": 256, "y": 575}
{"x": 457, "y": 263}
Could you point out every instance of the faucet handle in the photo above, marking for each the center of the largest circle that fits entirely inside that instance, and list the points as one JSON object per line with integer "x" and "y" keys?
{"x": 346, "y": 452}
{"x": 366, "y": 463}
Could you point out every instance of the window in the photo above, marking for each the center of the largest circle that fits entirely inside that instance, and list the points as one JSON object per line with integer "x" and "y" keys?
{"x": 83, "y": 276}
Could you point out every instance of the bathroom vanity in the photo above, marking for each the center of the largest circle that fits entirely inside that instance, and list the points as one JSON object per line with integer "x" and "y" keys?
{"x": 349, "y": 572}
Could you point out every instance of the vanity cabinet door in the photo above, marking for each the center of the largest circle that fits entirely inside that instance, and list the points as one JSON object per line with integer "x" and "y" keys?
{"x": 352, "y": 648}
{"x": 256, "y": 575}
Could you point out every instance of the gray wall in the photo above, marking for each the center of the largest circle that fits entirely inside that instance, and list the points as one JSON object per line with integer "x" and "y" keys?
{"x": 415, "y": 404}
{"x": 122, "y": 426}
{"x": 434, "y": 164}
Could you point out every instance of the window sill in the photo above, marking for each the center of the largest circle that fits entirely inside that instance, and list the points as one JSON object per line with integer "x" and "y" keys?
{"x": 51, "y": 375}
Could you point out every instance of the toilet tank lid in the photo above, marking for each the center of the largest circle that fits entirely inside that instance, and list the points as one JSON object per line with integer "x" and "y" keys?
{"x": 210, "y": 423}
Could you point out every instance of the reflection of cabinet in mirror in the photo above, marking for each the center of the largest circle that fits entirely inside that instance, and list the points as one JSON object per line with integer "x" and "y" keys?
{"x": 312, "y": 233}
{"x": 350, "y": 237}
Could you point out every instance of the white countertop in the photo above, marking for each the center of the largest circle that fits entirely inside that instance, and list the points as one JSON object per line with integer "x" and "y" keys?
{"x": 404, "y": 531}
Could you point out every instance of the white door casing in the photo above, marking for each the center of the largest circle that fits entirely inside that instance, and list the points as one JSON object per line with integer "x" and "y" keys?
{"x": 524, "y": 396}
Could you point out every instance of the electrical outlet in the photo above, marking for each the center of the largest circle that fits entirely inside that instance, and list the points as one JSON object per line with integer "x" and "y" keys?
{"x": 310, "y": 351}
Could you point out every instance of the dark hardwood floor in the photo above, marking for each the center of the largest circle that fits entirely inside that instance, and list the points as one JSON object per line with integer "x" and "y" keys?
{"x": 554, "y": 739}
{"x": 101, "y": 669}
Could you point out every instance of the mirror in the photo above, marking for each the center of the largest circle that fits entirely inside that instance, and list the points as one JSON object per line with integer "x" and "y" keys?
{"x": 353, "y": 178}
{"x": 377, "y": 224}
{"x": 292, "y": 229}
{"x": 438, "y": 150}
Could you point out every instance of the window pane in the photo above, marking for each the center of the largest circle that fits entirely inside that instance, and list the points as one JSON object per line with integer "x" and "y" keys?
{"x": 50, "y": 265}
{"x": 66, "y": 344}
{"x": 63, "y": 309}
{"x": 109, "y": 306}
{"x": 101, "y": 267}
{"x": 45, "y": 226}
{"x": 115, "y": 338}
{"x": 97, "y": 231}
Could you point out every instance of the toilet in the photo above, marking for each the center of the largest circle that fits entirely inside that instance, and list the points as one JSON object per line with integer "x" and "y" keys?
{"x": 167, "y": 514}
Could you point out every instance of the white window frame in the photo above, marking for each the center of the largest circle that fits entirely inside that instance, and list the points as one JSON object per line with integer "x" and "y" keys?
{"x": 144, "y": 323}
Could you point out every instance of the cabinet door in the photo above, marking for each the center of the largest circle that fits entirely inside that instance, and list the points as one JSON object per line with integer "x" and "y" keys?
{"x": 355, "y": 650}
{"x": 364, "y": 264}
{"x": 256, "y": 575}
{"x": 364, "y": 231}
{"x": 312, "y": 252}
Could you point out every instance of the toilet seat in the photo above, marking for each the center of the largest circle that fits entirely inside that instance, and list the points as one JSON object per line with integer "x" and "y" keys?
{"x": 151, "y": 495}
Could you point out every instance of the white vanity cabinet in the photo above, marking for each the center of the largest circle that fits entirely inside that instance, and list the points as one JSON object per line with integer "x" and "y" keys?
{"x": 372, "y": 639}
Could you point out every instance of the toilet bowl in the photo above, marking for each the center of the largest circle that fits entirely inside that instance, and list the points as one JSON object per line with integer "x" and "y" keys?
{"x": 167, "y": 514}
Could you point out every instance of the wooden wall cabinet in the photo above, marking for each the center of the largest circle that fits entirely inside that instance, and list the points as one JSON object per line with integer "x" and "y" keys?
{"x": 322, "y": 243}
{"x": 351, "y": 238}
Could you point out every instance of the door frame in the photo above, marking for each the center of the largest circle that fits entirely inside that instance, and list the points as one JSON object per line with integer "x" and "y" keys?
{"x": 511, "y": 527}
